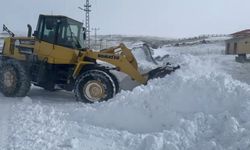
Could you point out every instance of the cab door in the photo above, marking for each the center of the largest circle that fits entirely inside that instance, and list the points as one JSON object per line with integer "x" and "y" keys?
{"x": 45, "y": 37}
{"x": 65, "y": 48}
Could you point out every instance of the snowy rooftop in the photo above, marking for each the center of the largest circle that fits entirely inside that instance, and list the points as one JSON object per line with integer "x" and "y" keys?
{"x": 242, "y": 33}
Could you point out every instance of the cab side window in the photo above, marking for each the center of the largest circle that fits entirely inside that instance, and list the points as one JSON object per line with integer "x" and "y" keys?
{"x": 65, "y": 37}
{"x": 49, "y": 30}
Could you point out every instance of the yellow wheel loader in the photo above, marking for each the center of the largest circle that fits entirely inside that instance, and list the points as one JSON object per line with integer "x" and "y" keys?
{"x": 56, "y": 56}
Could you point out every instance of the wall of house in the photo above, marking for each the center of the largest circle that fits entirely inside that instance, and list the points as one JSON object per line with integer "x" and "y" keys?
{"x": 230, "y": 46}
{"x": 238, "y": 46}
{"x": 244, "y": 46}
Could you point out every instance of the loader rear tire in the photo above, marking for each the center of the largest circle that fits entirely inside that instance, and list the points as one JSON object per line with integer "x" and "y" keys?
{"x": 14, "y": 80}
{"x": 95, "y": 85}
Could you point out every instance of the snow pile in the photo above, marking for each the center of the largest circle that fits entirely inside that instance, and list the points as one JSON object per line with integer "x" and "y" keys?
{"x": 197, "y": 50}
{"x": 35, "y": 126}
{"x": 219, "y": 38}
{"x": 198, "y": 107}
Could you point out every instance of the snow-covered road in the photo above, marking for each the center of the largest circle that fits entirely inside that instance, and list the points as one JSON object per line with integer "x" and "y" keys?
{"x": 5, "y": 110}
{"x": 204, "y": 105}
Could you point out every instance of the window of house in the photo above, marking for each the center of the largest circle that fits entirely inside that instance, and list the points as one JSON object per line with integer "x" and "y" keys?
{"x": 235, "y": 48}
{"x": 228, "y": 48}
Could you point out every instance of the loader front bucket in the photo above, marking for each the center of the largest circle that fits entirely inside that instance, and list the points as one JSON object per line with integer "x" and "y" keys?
{"x": 161, "y": 72}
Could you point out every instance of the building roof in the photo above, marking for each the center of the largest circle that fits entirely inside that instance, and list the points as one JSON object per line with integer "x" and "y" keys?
{"x": 59, "y": 16}
{"x": 238, "y": 38}
{"x": 242, "y": 33}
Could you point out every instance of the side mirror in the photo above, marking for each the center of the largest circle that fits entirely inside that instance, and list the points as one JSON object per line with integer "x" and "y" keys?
{"x": 35, "y": 34}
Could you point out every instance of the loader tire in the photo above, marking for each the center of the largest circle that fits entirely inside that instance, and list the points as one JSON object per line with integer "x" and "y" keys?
{"x": 95, "y": 85}
{"x": 116, "y": 82}
{"x": 14, "y": 80}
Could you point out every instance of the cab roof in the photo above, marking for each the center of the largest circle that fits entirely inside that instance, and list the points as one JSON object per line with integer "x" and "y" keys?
{"x": 58, "y": 16}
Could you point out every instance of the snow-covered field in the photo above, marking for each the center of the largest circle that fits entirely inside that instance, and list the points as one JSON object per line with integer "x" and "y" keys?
{"x": 203, "y": 106}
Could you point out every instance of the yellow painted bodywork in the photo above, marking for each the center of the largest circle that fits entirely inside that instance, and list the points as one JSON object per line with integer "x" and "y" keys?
{"x": 120, "y": 56}
{"x": 9, "y": 49}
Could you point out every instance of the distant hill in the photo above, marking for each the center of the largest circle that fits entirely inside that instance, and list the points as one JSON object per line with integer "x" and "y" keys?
{"x": 156, "y": 42}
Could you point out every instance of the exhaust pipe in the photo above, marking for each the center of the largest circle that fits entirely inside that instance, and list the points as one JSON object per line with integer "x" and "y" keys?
{"x": 29, "y": 30}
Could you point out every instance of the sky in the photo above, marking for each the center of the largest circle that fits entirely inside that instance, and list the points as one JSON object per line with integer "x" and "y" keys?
{"x": 163, "y": 18}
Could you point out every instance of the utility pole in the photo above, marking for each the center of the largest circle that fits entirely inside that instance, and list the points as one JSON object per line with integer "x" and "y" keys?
{"x": 95, "y": 30}
{"x": 101, "y": 40}
{"x": 87, "y": 21}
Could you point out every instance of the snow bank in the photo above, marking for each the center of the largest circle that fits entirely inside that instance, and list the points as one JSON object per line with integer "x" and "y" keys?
{"x": 37, "y": 127}
{"x": 198, "y": 107}
{"x": 197, "y": 50}
{"x": 219, "y": 38}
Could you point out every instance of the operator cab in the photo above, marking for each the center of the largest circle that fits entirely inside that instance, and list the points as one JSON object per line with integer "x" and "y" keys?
{"x": 60, "y": 30}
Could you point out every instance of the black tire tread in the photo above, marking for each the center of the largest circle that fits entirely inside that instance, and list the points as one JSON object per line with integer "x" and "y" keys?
{"x": 116, "y": 82}
{"x": 99, "y": 73}
{"x": 24, "y": 84}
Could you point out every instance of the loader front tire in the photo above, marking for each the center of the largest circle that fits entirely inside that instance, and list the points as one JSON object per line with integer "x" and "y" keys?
{"x": 116, "y": 82}
{"x": 14, "y": 81}
{"x": 94, "y": 85}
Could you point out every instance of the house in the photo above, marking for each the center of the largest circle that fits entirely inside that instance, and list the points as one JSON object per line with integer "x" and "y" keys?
{"x": 239, "y": 44}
